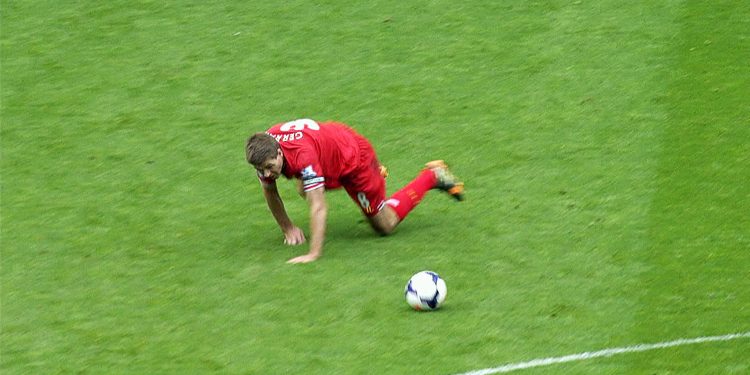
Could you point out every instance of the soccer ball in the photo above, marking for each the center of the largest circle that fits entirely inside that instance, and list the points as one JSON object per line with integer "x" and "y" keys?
{"x": 425, "y": 290}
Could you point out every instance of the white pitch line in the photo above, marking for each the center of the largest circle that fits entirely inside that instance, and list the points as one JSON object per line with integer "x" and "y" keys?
{"x": 605, "y": 353}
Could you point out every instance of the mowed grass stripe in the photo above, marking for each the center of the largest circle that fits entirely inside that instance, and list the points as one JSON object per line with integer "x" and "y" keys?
{"x": 585, "y": 150}
{"x": 699, "y": 227}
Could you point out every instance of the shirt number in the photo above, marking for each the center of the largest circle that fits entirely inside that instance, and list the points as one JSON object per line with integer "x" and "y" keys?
{"x": 363, "y": 201}
{"x": 299, "y": 125}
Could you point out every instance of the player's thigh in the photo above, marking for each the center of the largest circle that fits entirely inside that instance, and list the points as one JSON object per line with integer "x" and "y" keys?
{"x": 367, "y": 190}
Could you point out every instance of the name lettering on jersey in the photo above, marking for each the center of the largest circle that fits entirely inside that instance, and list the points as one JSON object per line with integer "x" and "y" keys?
{"x": 297, "y": 126}
{"x": 287, "y": 137}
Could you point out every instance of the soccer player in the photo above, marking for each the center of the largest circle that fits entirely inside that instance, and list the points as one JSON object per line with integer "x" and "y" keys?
{"x": 331, "y": 155}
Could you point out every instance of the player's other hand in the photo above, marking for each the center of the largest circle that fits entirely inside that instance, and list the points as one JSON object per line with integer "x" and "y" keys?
{"x": 307, "y": 258}
{"x": 294, "y": 236}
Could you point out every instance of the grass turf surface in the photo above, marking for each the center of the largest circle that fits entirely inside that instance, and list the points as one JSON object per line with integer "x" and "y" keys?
{"x": 604, "y": 146}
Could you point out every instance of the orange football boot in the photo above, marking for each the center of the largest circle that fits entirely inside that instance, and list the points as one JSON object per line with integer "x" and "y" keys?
{"x": 446, "y": 181}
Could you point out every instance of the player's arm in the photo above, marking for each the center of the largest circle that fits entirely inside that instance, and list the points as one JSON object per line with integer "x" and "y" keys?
{"x": 318, "y": 215}
{"x": 292, "y": 234}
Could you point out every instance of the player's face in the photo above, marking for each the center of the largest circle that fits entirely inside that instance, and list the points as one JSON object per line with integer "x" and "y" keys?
{"x": 271, "y": 168}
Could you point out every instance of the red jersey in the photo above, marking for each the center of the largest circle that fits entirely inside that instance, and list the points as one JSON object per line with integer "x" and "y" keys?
{"x": 320, "y": 154}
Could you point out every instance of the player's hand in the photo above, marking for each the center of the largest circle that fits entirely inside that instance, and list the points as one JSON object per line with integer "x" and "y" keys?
{"x": 294, "y": 236}
{"x": 307, "y": 258}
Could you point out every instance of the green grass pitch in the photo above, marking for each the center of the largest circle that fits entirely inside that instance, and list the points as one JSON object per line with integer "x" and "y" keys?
{"x": 605, "y": 147}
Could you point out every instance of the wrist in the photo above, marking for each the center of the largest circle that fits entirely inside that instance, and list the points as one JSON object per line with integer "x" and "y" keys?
{"x": 313, "y": 255}
{"x": 315, "y": 251}
{"x": 286, "y": 227}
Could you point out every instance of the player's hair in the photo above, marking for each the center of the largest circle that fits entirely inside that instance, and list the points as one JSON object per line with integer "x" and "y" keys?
{"x": 260, "y": 147}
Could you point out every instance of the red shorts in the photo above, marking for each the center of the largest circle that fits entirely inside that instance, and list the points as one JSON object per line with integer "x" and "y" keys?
{"x": 365, "y": 185}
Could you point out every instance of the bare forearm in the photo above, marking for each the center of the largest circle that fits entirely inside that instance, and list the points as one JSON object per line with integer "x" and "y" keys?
{"x": 318, "y": 216}
{"x": 276, "y": 205}
{"x": 318, "y": 213}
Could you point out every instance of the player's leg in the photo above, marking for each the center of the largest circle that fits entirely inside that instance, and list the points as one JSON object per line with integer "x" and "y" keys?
{"x": 435, "y": 176}
{"x": 367, "y": 189}
{"x": 385, "y": 221}
{"x": 371, "y": 197}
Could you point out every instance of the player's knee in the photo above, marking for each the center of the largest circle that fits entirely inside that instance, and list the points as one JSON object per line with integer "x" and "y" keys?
{"x": 383, "y": 230}
{"x": 383, "y": 227}
{"x": 384, "y": 222}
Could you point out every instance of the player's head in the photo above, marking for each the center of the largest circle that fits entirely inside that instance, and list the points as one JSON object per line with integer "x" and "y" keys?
{"x": 263, "y": 153}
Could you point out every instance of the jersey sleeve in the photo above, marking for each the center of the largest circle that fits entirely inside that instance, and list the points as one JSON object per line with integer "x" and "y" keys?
{"x": 311, "y": 174}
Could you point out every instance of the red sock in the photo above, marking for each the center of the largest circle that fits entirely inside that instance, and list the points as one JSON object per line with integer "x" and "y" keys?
{"x": 404, "y": 200}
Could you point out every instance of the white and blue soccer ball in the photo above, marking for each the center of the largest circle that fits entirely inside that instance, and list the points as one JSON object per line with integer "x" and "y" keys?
{"x": 426, "y": 290}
